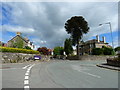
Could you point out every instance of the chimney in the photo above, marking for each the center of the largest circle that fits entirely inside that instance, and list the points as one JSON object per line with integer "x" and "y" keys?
{"x": 97, "y": 37}
{"x": 104, "y": 39}
{"x": 18, "y": 33}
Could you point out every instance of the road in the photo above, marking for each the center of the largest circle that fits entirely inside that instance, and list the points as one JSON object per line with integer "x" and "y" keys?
{"x": 58, "y": 74}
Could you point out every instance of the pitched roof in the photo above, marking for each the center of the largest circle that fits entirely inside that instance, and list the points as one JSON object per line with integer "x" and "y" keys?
{"x": 20, "y": 37}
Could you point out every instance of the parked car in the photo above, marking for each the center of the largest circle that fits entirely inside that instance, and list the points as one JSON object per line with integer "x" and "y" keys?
{"x": 36, "y": 57}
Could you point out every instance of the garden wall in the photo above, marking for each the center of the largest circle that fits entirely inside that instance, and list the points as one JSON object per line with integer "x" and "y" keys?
{"x": 89, "y": 57}
{"x": 19, "y": 57}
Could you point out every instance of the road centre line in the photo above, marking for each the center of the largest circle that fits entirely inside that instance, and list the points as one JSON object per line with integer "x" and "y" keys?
{"x": 80, "y": 69}
{"x": 26, "y": 73}
{"x": 26, "y": 87}
{"x": 26, "y": 66}
{"x": 89, "y": 74}
{"x": 26, "y": 79}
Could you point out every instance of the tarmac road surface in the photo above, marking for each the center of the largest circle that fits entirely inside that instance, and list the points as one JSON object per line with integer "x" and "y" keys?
{"x": 58, "y": 74}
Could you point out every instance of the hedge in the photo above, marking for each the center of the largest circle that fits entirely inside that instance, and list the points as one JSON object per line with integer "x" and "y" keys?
{"x": 17, "y": 50}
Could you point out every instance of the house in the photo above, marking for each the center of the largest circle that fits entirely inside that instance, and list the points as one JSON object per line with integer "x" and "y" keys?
{"x": 3, "y": 44}
{"x": 86, "y": 47}
{"x": 20, "y": 42}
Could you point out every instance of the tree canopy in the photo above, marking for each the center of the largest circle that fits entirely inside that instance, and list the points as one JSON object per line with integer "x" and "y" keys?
{"x": 43, "y": 50}
{"x": 58, "y": 50}
{"x": 117, "y": 48}
{"x": 76, "y": 26}
{"x": 68, "y": 46}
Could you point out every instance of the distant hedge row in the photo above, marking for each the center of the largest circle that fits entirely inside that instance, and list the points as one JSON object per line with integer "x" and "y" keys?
{"x": 17, "y": 50}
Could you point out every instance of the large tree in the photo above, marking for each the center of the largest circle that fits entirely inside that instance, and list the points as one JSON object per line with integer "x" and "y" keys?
{"x": 43, "y": 50}
{"x": 58, "y": 50}
{"x": 68, "y": 46}
{"x": 117, "y": 48}
{"x": 76, "y": 26}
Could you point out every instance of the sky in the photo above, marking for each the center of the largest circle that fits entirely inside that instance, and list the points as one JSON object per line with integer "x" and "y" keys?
{"x": 43, "y": 22}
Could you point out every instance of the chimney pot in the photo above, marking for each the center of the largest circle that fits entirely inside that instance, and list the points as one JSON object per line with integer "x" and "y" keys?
{"x": 97, "y": 37}
{"x": 18, "y": 33}
{"x": 104, "y": 39}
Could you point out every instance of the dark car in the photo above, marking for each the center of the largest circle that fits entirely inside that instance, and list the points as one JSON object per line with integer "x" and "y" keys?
{"x": 36, "y": 57}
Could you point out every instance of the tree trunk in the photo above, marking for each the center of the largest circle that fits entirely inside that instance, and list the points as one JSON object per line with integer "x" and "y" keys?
{"x": 78, "y": 47}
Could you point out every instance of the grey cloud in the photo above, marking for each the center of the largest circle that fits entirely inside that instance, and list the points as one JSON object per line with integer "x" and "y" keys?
{"x": 48, "y": 19}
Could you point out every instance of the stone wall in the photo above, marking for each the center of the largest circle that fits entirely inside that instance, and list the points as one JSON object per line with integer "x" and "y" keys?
{"x": 15, "y": 57}
{"x": 89, "y": 57}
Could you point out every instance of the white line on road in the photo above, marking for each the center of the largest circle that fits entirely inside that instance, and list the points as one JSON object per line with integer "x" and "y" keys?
{"x": 26, "y": 66}
{"x": 26, "y": 87}
{"x": 89, "y": 74}
{"x": 80, "y": 69}
{"x": 26, "y": 73}
{"x": 26, "y": 77}
{"x": 26, "y": 82}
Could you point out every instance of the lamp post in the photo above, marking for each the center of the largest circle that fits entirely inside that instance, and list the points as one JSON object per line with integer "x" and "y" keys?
{"x": 111, "y": 34}
{"x": 110, "y": 31}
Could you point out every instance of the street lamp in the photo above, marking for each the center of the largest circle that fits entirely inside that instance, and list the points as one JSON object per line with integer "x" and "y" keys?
{"x": 110, "y": 31}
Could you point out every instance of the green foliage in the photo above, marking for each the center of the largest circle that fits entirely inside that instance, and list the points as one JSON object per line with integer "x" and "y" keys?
{"x": 18, "y": 43}
{"x": 17, "y": 50}
{"x": 27, "y": 47}
{"x": 108, "y": 51}
{"x": 117, "y": 48}
{"x": 102, "y": 51}
{"x": 58, "y": 50}
{"x": 68, "y": 46}
{"x": 97, "y": 51}
{"x": 76, "y": 26}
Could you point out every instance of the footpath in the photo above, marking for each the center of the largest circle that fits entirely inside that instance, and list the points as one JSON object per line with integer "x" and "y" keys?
{"x": 108, "y": 67}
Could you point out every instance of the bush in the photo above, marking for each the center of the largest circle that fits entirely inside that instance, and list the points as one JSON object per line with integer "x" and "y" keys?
{"x": 97, "y": 51}
{"x": 108, "y": 51}
{"x": 27, "y": 47}
{"x": 58, "y": 50}
{"x": 17, "y": 50}
{"x": 103, "y": 51}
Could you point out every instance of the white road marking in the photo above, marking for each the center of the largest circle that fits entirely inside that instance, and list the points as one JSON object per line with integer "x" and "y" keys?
{"x": 89, "y": 74}
{"x": 26, "y": 87}
{"x": 26, "y": 73}
{"x": 80, "y": 69}
{"x": 26, "y": 66}
{"x": 26, "y": 77}
{"x": 28, "y": 69}
{"x": 26, "y": 82}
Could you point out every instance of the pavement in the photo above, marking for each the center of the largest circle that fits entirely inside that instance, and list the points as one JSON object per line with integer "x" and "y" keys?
{"x": 58, "y": 74}
{"x": 105, "y": 65}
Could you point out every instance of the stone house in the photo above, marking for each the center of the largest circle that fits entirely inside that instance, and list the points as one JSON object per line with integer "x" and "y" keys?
{"x": 19, "y": 38}
{"x": 86, "y": 47}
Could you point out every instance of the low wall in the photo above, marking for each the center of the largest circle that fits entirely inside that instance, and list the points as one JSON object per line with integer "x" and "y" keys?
{"x": 89, "y": 57}
{"x": 19, "y": 57}
{"x": 113, "y": 62}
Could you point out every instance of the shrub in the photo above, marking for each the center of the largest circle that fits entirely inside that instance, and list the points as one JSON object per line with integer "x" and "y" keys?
{"x": 58, "y": 50}
{"x": 27, "y": 47}
{"x": 17, "y": 50}
{"x": 108, "y": 51}
{"x": 103, "y": 51}
{"x": 97, "y": 51}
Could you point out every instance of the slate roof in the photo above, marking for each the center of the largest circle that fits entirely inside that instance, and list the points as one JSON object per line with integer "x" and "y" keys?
{"x": 20, "y": 37}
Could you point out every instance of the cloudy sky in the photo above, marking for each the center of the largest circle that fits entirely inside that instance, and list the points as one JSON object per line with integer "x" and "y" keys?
{"x": 43, "y": 22}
